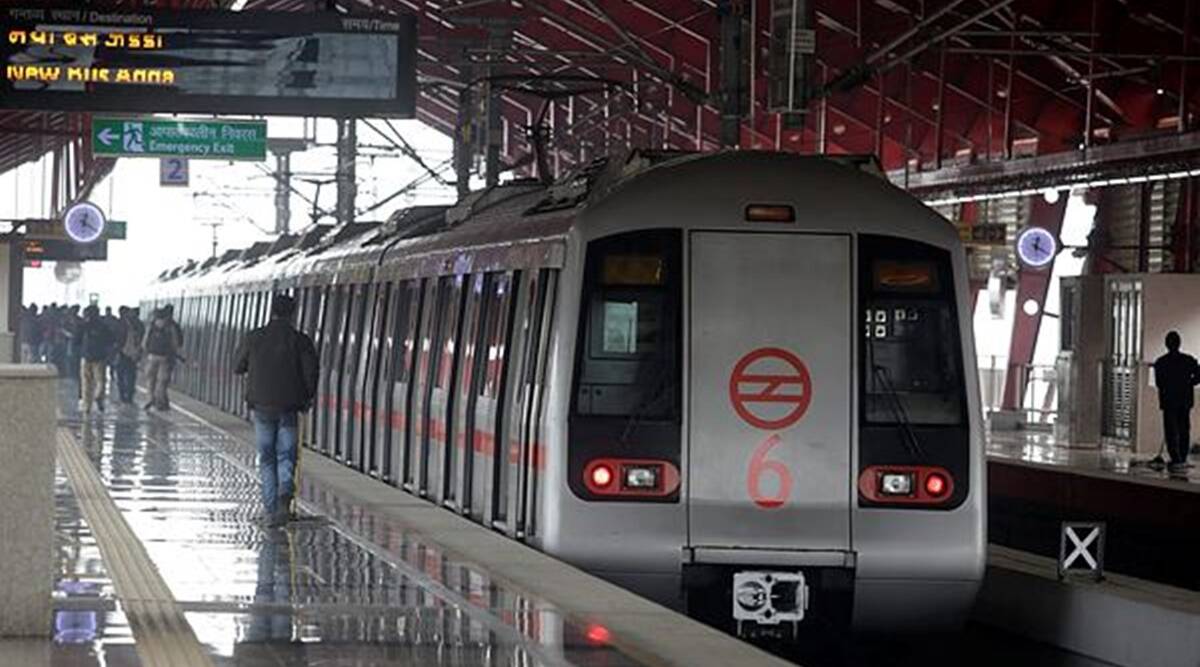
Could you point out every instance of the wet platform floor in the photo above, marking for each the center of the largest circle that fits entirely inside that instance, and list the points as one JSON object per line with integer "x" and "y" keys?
{"x": 315, "y": 593}
{"x": 1109, "y": 459}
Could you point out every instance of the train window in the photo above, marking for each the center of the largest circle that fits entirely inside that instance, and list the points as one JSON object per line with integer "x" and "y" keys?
{"x": 630, "y": 350}
{"x": 912, "y": 370}
{"x": 630, "y": 324}
{"x": 499, "y": 298}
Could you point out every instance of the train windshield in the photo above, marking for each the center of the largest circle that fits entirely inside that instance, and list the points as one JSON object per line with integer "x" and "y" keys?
{"x": 912, "y": 370}
{"x": 628, "y": 363}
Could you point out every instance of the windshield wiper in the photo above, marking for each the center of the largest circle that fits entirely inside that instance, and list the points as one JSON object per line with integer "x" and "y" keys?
{"x": 899, "y": 414}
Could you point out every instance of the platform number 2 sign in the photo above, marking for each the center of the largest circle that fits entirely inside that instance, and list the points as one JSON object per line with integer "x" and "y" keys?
{"x": 770, "y": 389}
{"x": 173, "y": 171}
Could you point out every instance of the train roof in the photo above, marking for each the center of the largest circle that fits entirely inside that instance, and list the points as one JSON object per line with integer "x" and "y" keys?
{"x": 520, "y": 215}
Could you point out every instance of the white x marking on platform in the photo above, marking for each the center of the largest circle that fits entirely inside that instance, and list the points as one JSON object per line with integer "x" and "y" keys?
{"x": 1081, "y": 547}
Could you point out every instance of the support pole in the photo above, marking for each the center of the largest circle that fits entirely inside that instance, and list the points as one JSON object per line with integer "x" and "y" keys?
{"x": 283, "y": 194}
{"x": 1091, "y": 84}
{"x": 1184, "y": 124}
{"x": 732, "y": 72}
{"x": 495, "y": 137}
{"x": 879, "y": 113}
{"x": 1008, "y": 100}
{"x": 464, "y": 145}
{"x": 347, "y": 184}
{"x": 941, "y": 112}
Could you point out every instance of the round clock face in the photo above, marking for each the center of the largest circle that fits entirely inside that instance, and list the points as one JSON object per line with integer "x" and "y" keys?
{"x": 84, "y": 222}
{"x": 1036, "y": 247}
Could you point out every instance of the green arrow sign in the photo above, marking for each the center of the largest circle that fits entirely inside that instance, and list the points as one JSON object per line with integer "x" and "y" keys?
{"x": 200, "y": 139}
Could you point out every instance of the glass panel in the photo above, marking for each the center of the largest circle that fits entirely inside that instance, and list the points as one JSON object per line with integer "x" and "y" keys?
{"x": 912, "y": 358}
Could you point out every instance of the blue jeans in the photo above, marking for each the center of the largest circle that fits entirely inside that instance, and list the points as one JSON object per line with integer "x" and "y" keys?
{"x": 277, "y": 435}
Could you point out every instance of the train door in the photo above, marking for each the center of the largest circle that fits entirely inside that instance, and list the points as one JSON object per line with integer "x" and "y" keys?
{"x": 369, "y": 365}
{"x": 516, "y": 451}
{"x": 441, "y": 395}
{"x": 462, "y": 453}
{"x": 399, "y": 448}
{"x": 488, "y": 425}
{"x": 385, "y": 367}
{"x": 427, "y": 355}
{"x": 770, "y": 392}
{"x": 533, "y": 434}
{"x": 327, "y": 390}
{"x": 351, "y": 405}
{"x": 218, "y": 345}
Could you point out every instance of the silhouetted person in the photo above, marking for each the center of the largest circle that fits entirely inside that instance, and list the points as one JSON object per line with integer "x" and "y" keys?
{"x": 281, "y": 367}
{"x": 1175, "y": 374}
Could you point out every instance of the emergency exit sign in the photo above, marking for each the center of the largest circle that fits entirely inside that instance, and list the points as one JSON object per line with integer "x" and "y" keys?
{"x": 160, "y": 137}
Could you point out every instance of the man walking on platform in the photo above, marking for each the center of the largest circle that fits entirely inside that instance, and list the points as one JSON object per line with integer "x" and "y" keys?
{"x": 1175, "y": 375}
{"x": 163, "y": 340}
{"x": 281, "y": 367}
{"x": 96, "y": 344}
{"x": 128, "y": 354}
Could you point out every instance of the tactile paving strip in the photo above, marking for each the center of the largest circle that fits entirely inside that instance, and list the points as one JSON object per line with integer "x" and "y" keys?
{"x": 164, "y": 637}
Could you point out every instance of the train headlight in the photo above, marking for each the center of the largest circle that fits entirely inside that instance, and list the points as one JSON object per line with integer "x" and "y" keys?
{"x": 896, "y": 484}
{"x": 641, "y": 477}
{"x": 751, "y": 596}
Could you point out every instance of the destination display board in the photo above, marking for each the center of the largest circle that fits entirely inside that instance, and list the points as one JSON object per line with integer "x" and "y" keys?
{"x": 84, "y": 59}
{"x": 57, "y": 250}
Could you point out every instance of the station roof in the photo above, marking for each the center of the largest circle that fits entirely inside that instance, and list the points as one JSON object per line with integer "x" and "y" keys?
{"x": 1000, "y": 78}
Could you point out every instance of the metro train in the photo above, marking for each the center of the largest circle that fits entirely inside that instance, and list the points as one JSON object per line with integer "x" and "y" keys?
{"x": 737, "y": 383}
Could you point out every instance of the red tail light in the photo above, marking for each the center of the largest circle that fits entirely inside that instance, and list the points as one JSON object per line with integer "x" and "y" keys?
{"x": 885, "y": 485}
{"x": 936, "y": 485}
{"x": 601, "y": 477}
{"x": 631, "y": 477}
{"x": 598, "y": 634}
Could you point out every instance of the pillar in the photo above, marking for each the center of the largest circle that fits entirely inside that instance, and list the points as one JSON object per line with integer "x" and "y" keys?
{"x": 1031, "y": 284}
{"x": 27, "y": 496}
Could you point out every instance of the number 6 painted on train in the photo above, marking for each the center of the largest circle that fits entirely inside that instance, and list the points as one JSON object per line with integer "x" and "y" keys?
{"x": 760, "y": 464}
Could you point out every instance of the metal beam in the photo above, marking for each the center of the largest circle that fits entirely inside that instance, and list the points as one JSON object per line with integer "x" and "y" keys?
{"x": 1166, "y": 154}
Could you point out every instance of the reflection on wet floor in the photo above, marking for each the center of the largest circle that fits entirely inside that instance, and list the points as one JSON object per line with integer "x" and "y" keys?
{"x": 351, "y": 589}
{"x": 1042, "y": 448}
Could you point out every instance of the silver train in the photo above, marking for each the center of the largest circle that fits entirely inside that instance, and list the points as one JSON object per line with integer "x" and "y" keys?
{"x": 738, "y": 383}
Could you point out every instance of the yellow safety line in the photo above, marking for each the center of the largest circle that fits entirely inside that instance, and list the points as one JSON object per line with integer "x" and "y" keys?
{"x": 164, "y": 637}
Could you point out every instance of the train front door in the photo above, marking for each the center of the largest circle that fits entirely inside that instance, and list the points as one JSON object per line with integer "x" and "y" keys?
{"x": 770, "y": 393}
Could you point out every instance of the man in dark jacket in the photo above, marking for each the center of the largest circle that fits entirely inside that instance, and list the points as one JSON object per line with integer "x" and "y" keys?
{"x": 96, "y": 346}
{"x": 281, "y": 364}
{"x": 1175, "y": 374}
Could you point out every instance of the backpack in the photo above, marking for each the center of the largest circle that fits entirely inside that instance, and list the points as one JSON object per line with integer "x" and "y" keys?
{"x": 160, "y": 342}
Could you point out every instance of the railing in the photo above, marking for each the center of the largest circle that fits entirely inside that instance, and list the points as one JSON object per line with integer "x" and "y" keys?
{"x": 1037, "y": 387}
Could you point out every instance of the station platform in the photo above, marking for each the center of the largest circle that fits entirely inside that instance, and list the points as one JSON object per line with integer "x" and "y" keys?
{"x": 161, "y": 562}
{"x": 1036, "y": 482}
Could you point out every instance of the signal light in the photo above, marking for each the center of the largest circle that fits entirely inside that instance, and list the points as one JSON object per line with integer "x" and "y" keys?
{"x": 598, "y": 634}
{"x": 770, "y": 213}
{"x": 602, "y": 476}
{"x": 936, "y": 485}
{"x": 902, "y": 485}
{"x": 631, "y": 478}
